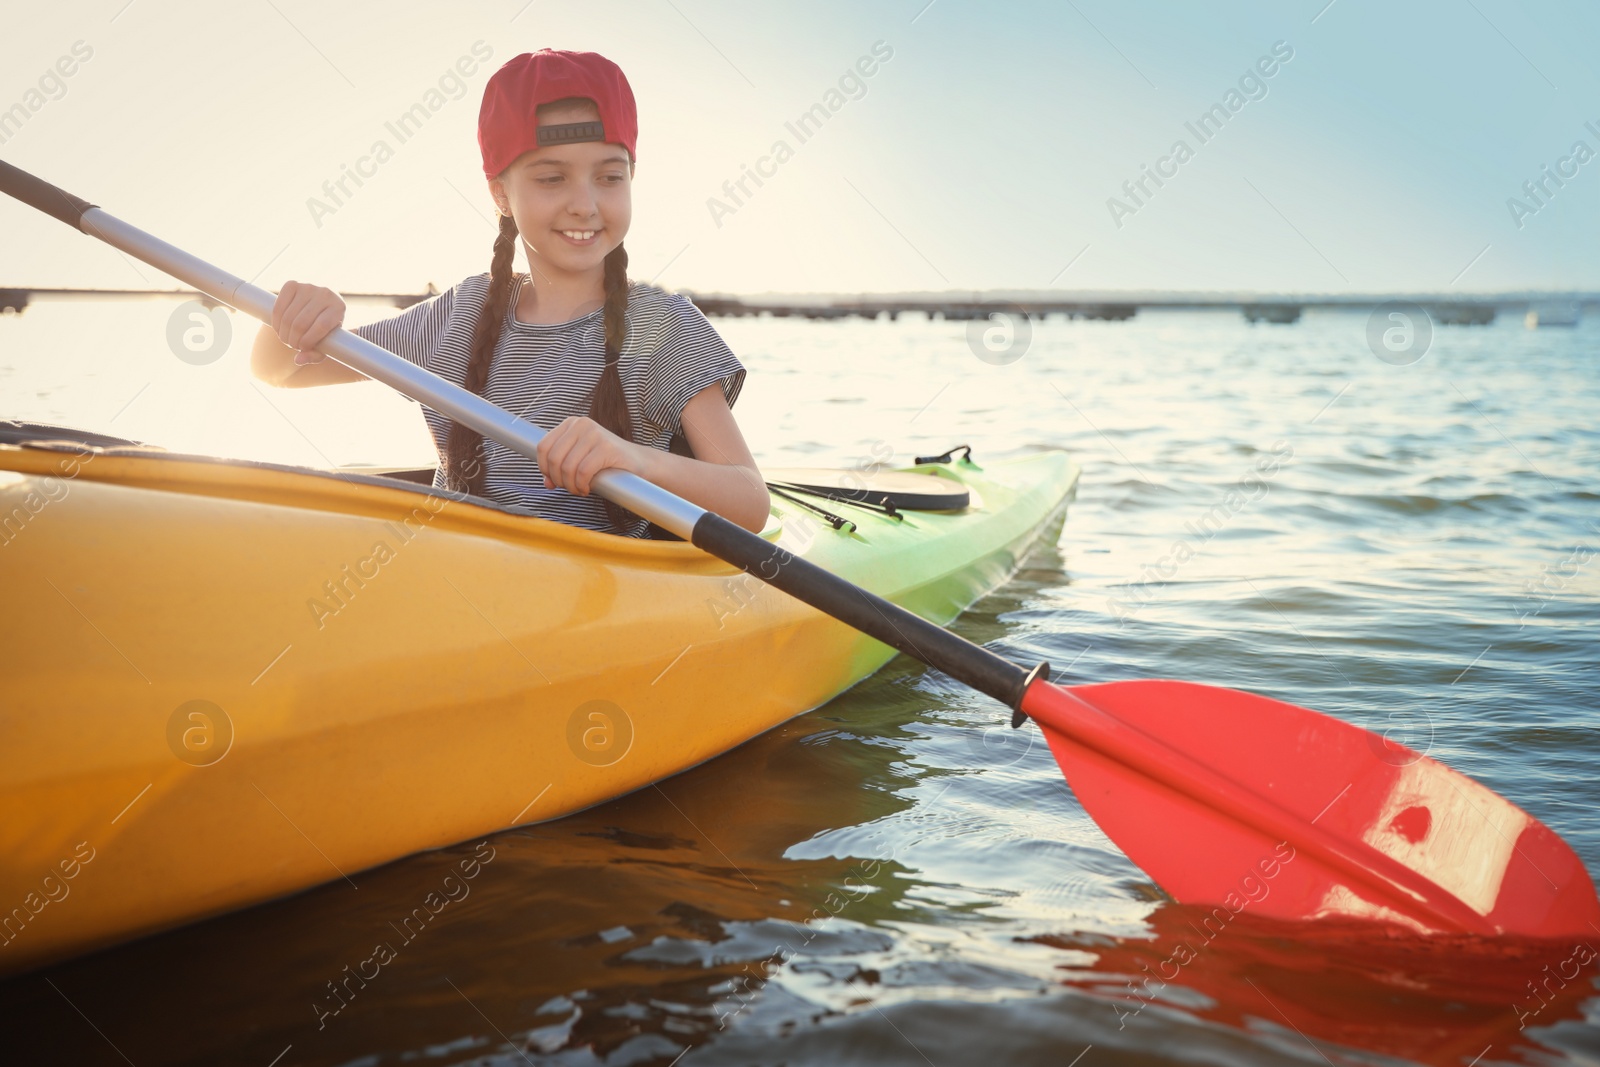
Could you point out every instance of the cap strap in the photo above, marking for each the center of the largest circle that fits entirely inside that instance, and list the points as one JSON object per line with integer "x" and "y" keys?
{"x": 571, "y": 132}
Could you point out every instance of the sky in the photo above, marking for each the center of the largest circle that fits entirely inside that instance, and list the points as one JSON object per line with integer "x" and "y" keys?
{"x": 988, "y": 148}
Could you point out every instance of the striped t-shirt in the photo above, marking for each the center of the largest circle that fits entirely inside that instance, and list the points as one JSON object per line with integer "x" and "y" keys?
{"x": 546, "y": 373}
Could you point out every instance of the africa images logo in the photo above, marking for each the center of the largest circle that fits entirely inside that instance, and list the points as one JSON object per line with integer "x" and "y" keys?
{"x": 852, "y": 85}
{"x": 1252, "y": 85}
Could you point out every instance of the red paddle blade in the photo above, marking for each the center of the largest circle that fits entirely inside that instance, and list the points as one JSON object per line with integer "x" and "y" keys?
{"x": 1247, "y": 803}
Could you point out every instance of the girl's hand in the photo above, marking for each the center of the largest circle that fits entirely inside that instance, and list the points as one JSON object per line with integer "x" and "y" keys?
{"x": 303, "y": 315}
{"x": 579, "y": 448}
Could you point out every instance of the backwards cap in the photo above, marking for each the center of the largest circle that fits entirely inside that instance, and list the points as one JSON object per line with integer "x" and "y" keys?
{"x": 507, "y": 121}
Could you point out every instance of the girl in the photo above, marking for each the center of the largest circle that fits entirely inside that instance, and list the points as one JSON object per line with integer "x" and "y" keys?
{"x": 617, "y": 373}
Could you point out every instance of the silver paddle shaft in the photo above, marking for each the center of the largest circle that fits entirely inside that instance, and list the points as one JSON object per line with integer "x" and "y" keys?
{"x": 665, "y": 509}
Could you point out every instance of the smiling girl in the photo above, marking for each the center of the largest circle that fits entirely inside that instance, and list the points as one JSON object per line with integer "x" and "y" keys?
{"x": 621, "y": 375}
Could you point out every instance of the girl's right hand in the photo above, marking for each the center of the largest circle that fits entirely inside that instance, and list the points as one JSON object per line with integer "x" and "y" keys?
{"x": 303, "y": 315}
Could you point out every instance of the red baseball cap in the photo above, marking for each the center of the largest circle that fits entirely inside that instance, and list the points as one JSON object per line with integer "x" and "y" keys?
{"x": 507, "y": 122}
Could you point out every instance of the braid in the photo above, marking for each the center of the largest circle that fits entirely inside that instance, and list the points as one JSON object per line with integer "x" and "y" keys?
{"x": 464, "y": 453}
{"x": 609, "y": 406}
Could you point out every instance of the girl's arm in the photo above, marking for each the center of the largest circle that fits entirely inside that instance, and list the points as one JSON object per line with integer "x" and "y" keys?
{"x": 285, "y": 354}
{"x": 723, "y": 478}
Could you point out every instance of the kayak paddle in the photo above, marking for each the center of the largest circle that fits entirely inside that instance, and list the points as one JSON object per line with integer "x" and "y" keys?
{"x": 1226, "y": 799}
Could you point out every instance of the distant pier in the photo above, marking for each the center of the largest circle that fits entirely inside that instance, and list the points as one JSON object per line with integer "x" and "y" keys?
{"x": 1446, "y": 310}
{"x": 17, "y": 300}
{"x": 949, "y": 310}
{"x": 1283, "y": 314}
{"x": 1536, "y": 309}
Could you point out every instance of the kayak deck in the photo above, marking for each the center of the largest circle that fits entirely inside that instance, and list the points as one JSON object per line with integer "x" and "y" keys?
{"x": 229, "y": 682}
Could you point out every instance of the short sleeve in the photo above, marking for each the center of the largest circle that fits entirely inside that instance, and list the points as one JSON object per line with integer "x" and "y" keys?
{"x": 414, "y": 334}
{"x": 688, "y": 355}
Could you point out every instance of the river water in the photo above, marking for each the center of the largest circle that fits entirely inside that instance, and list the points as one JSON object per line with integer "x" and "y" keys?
{"x": 1406, "y": 545}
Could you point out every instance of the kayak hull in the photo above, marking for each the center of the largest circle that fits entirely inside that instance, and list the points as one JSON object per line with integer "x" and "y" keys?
{"x": 223, "y": 683}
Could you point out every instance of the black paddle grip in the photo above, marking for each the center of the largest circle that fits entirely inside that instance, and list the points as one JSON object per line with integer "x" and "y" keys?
{"x": 867, "y": 612}
{"x": 36, "y": 192}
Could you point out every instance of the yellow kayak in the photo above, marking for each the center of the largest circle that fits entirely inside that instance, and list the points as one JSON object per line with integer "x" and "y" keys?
{"x": 222, "y": 682}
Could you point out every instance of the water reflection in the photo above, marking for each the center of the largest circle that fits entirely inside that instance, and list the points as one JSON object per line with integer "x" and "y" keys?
{"x": 1342, "y": 985}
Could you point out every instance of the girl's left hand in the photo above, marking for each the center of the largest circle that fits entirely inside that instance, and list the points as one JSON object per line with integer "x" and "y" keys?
{"x": 579, "y": 448}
